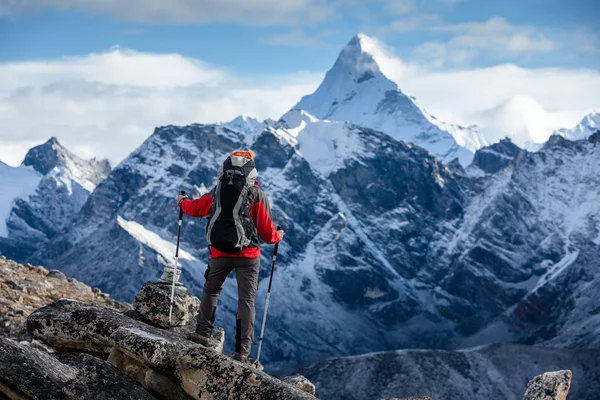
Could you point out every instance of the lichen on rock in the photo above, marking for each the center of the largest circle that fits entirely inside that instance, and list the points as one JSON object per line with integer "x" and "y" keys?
{"x": 549, "y": 386}
{"x": 153, "y": 300}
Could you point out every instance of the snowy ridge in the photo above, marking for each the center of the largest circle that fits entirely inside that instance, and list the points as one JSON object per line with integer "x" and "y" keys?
{"x": 148, "y": 238}
{"x": 326, "y": 145}
{"x": 16, "y": 182}
{"x": 588, "y": 126}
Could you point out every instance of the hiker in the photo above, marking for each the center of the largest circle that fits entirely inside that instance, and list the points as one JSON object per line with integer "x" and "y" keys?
{"x": 238, "y": 215}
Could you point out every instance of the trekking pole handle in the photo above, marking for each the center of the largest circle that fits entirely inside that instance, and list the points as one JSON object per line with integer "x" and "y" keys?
{"x": 277, "y": 244}
{"x": 181, "y": 209}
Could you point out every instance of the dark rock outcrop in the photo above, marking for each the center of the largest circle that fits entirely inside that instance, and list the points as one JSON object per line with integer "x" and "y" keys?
{"x": 493, "y": 158}
{"x": 28, "y": 373}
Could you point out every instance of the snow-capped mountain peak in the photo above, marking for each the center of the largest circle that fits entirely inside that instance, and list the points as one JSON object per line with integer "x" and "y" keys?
{"x": 356, "y": 89}
{"x": 588, "y": 126}
{"x": 42, "y": 195}
{"x": 53, "y": 157}
{"x": 358, "y": 58}
{"x": 243, "y": 124}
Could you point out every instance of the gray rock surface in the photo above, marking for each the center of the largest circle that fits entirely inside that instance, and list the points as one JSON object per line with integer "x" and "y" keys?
{"x": 28, "y": 373}
{"x": 163, "y": 361}
{"x": 301, "y": 383}
{"x": 159, "y": 384}
{"x": 152, "y": 303}
{"x": 549, "y": 386}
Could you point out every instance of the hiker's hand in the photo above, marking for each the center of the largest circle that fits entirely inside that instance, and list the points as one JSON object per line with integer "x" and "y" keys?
{"x": 180, "y": 198}
{"x": 280, "y": 233}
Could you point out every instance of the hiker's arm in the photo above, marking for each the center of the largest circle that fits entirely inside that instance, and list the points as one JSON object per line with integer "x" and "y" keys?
{"x": 197, "y": 208}
{"x": 264, "y": 224}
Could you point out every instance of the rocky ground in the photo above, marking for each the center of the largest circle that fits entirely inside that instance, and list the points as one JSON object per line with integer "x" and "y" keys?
{"x": 65, "y": 340}
{"x": 25, "y": 288}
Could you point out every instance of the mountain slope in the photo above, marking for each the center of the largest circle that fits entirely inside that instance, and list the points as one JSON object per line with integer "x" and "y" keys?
{"x": 385, "y": 248}
{"x": 495, "y": 372}
{"x": 331, "y": 259}
{"x": 42, "y": 195}
{"x": 356, "y": 90}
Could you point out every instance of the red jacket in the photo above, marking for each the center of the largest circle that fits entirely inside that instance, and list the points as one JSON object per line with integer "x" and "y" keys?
{"x": 264, "y": 225}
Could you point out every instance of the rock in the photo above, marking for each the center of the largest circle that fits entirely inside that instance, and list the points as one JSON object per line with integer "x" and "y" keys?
{"x": 152, "y": 302}
{"x": 70, "y": 325}
{"x": 23, "y": 289}
{"x": 202, "y": 372}
{"x": 301, "y": 383}
{"x": 41, "y": 270}
{"x": 549, "y": 386}
{"x": 28, "y": 373}
{"x": 98, "y": 380}
{"x": 31, "y": 373}
{"x": 96, "y": 290}
{"x": 159, "y": 384}
{"x": 159, "y": 359}
{"x": 54, "y": 273}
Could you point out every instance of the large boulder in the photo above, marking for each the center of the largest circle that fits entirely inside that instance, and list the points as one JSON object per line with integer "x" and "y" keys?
{"x": 28, "y": 373}
{"x": 152, "y": 303}
{"x": 549, "y": 386}
{"x": 201, "y": 372}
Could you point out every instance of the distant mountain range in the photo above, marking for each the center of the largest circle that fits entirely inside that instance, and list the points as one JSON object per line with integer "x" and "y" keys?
{"x": 391, "y": 242}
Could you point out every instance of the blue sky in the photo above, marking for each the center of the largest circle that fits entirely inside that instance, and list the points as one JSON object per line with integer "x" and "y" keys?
{"x": 287, "y": 44}
{"x": 92, "y": 72}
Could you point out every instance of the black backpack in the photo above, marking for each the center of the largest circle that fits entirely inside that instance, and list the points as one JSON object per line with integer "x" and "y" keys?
{"x": 229, "y": 227}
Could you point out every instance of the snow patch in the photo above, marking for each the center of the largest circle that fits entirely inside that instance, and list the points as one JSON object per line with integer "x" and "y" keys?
{"x": 165, "y": 248}
{"x": 17, "y": 182}
{"x": 374, "y": 293}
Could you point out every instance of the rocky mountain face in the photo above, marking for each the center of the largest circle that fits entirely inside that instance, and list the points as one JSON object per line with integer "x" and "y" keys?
{"x": 43, "y": 195}
{"x": 492, "y": 159}
{"x": 493, "y": 372}
{"x": 385, "y": 248}
{"x": 356, "y": 89}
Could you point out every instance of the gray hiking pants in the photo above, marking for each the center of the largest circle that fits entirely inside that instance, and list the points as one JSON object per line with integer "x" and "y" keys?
{"x": 246, "y": 272}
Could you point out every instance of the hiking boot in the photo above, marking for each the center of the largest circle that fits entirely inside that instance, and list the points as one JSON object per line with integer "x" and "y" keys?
{"x": 248, "y": 361}
{"x": 198, "y": 338}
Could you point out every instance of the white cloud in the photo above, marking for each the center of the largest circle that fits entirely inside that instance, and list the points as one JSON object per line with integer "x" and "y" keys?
{"x": 250, "y": 12}
{"x": 495, "y": 38}
{"x": 294, "y": 38}
{"x": 399, "y": 7}
{"x": 107, "y": 104}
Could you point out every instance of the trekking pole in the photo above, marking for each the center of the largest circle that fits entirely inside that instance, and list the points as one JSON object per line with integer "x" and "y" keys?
{"x": 264, "y": 321}
{"x": 176, "y": 258}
